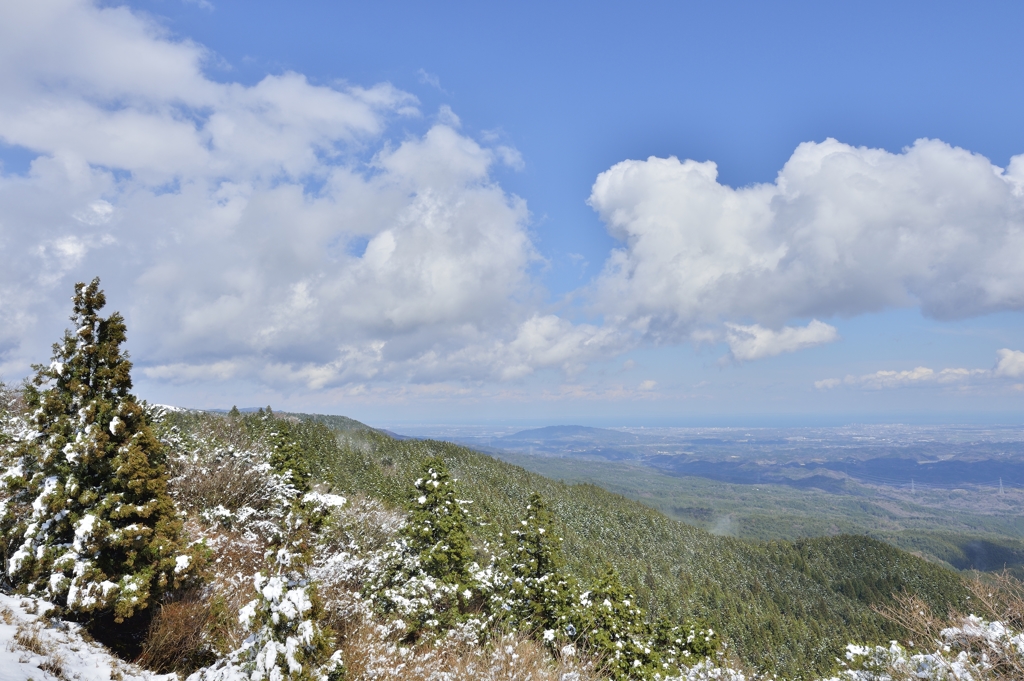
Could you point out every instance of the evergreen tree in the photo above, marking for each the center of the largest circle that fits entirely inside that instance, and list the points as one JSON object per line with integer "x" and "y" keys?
{"x": 287, "y": 456}
{"x": 428, "y": 580}
{"x": 539, "y": 593}
{"x": 438, "y": 530}
{"x": 614, "y": 627}
{"x": 630, "y": 646}
{"x": 103, "y": 534}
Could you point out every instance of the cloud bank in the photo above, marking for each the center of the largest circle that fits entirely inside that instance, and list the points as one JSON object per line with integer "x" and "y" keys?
{"x": 270, "y": 231}
{"x": 1009, "y": 365}
{"x": 283, "y": 233}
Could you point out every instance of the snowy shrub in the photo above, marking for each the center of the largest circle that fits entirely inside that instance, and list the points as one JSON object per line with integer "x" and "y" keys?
{"x": 222, "y": 472}
{"x": 374, "y": 652}
{"x": 973, "y": 650}
{"x": 102, "y": 534}
{"x": 18, "y": 464}
{"x": 286, "y": 639}
{"x": 617, "y": 630}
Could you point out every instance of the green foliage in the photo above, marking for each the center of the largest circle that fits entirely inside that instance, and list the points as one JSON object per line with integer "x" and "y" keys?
{"x": 978, "y": 529}
{"x": 287, "y": 454}
{"x": 427, "y": 580}
{"x": 102, "y": 537}
{"x": 539, "y": 595}
{"x": 784, "y": 608}
{"x": 437, "y": 529}
{"x": 630, "y": 646}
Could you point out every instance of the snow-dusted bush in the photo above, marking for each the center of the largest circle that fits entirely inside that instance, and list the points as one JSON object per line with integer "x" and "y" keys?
{"x": 618, "y": 631}
{"x": 84, "y": 491}
{"x": 286, "y": 639}
{"x": 973, "y": 650}
{"x": 222, "y": 473}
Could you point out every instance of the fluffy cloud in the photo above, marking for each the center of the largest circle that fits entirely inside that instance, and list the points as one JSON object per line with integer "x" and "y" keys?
{"x": 269, "y": 232}
{"x": 841, "y": 231}
{"x": 754, "y": 342}
{"x": 1010, "y": 364}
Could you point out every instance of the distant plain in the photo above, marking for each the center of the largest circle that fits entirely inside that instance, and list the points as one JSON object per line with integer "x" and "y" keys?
{"x": 953, "y": 494}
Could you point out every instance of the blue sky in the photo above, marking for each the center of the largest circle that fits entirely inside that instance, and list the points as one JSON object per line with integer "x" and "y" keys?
{"x": 460, "y": 212}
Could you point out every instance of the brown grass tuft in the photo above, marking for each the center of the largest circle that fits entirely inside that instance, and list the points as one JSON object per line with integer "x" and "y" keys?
{"x": 54, "y": 664}
{"x": 181, "y": 636}
{"x": 29, "y": 639}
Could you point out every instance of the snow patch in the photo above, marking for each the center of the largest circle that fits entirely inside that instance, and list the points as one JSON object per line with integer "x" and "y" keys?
{"x": 24, "y": 632}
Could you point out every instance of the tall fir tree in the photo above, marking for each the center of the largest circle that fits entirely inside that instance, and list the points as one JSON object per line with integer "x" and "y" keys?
{"x": 103, "y": 537}
{"x": 540, "y": 593}
{"x": 438, "y": 529}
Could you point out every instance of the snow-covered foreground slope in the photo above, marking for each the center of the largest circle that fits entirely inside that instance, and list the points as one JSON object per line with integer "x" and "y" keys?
{"x": 32, "y": 647}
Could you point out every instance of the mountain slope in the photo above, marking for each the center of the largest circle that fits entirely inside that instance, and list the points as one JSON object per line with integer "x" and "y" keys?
{"x": 788, "y": 608}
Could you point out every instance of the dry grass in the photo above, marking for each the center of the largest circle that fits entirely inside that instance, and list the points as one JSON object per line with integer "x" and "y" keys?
{"x": 28, "y": 638}
{"x": 224, "y": 480}
{"x": 370, "y": 656}
{"x": 189, "y": 632}
{"x": 181, "y": 636}
{"x": 54, "y": 664}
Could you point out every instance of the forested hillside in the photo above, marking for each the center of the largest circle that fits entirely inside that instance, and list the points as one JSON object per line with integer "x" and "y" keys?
{"x": 789, "y": 608}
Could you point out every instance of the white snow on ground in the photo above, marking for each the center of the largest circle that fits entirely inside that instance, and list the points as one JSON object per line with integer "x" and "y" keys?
{"x": 32, "y": 647}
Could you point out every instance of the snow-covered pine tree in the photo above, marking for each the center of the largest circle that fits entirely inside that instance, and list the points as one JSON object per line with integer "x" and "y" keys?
{"x": 103, "y": 535}
{"x": 616, "y": 629}
{"x": 539, "y": 594}
{"x": 428, "y": 579}
{"x": 438, "y": 528}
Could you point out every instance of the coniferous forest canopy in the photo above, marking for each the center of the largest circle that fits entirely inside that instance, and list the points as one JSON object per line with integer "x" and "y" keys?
{"x": 270, "y": 545}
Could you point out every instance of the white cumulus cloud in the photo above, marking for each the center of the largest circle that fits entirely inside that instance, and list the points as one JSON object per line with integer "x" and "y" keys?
{"x": 841, "y": 231}
{"x": 755, "y": 341}
{"x": 1010, "y": 363}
